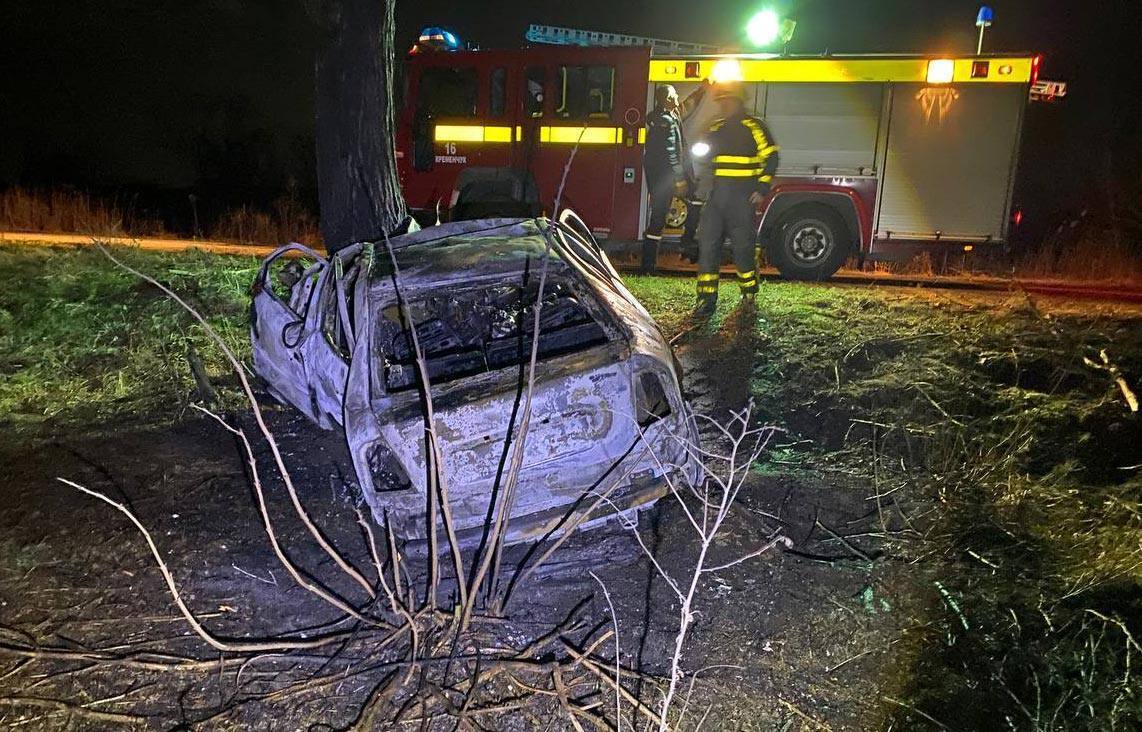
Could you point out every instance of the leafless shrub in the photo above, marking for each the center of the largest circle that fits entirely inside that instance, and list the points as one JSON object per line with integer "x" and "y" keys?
{"x": 706, "y": 500}
{"x": 286, "y": 220}
{"x": 1091, "y": 247}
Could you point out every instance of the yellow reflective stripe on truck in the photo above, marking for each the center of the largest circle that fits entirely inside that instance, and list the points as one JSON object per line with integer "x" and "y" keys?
{"x": 1001, "y": 69}
{"x": 471, "y": 133}
{"x": 583, "y": 135}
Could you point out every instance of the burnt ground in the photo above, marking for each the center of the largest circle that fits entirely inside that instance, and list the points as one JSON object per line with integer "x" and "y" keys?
{"x": 830, "y": 635}
{"x": 78, "y": 575}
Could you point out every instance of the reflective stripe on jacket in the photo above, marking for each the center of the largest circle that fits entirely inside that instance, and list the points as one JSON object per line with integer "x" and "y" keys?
{"x": 742, "y": 150}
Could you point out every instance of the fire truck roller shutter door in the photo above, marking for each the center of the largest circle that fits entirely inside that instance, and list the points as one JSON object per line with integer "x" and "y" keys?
{"x": 824, "y": 128}
{"x": 951, "y": 156}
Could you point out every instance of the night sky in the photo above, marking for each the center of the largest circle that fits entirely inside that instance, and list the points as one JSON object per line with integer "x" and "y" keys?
{"x": 215, "y": 96}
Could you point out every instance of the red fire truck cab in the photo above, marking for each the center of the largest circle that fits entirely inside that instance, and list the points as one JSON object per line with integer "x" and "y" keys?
{"x": 879, "y": 155}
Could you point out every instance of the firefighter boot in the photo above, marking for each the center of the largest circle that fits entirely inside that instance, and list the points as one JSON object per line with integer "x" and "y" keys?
{"x": 707, "y": 294}
{"x": 649, "y": 264}
{"x": 707, "y": 304}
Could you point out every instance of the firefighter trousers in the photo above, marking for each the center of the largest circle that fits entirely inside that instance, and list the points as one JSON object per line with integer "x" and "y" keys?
{"x": 728, "y": 213}
{"x": 660, "y": 185}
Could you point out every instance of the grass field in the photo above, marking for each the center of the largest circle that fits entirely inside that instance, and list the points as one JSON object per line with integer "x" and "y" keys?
{"x": 1005, "y": 467}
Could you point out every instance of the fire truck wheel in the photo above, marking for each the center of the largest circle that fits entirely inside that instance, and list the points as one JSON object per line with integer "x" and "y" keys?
{"x": 810, "y": 243}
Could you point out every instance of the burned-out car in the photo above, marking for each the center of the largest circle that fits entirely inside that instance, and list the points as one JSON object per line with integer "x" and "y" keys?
{"x": 332, "y": 338}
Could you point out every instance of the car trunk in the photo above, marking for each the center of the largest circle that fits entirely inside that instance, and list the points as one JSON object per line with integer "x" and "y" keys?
{"x": 477, "y": 342}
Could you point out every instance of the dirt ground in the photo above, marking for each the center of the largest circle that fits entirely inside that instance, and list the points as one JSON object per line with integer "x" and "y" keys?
{"x": 828, "y": 635}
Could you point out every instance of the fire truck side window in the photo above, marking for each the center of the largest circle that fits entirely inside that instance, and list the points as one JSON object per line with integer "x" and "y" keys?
{"x": 585, "y": 92}
{"x": 497, "y": 92}
{"x": 447, "y": 92}
{"x": 534, "y": 82}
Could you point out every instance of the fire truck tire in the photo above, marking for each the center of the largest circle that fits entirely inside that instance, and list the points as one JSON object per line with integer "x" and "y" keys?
{"x": 810, "y": 243}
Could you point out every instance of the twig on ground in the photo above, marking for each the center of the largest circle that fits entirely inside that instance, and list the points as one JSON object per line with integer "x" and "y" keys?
{"x": 587, "y": 663}
{"x": 1115, "y": 374}
{"x": 72, "y": 709}
{"x": 251, "y": 575}
{"x": 817, "y": 724}
{"x": 257, "y": 412}
{"x": 219, "y": 643}
{"x": 914, "y": 710}
{"x": 848, "y": 660}
{"x": 618, "y": 680}
{"x": 848, "y": 545}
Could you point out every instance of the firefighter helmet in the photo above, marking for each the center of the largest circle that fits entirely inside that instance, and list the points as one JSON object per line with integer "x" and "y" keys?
{"x": 728, "y": 90}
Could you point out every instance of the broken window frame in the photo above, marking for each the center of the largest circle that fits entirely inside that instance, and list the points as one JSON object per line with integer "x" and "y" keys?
{"x": 299, "y": 300}
{"x": 336, "y": 308}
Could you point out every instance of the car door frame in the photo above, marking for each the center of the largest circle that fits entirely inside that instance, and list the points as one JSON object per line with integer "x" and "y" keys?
{"x": 281, "y": 330}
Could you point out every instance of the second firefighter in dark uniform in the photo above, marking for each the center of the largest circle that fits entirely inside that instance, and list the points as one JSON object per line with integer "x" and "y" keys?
{"x": 668, "y": 171}
{"x": 742, "y": 157}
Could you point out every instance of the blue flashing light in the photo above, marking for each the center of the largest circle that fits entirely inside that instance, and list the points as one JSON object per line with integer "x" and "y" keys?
{"x": 438, "y": 39}
{"x": 985, "y": 17}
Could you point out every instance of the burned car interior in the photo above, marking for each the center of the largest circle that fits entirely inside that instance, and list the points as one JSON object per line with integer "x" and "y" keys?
{"x": 483, "y": 329}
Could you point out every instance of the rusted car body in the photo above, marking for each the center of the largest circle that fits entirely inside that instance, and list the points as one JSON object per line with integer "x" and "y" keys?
{"x": 608, "y": 417}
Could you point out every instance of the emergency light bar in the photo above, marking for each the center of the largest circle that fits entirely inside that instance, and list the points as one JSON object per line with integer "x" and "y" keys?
{"x": 436, "y": 39}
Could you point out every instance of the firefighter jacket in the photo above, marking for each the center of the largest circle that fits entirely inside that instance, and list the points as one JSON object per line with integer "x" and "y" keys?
{"x": 665, "y": 149}
{"x": 742, "y": 154}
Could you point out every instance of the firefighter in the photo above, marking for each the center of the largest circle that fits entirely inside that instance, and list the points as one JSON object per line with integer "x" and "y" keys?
{"x": 742, "y": 156}
{"x": 667, "y": 167}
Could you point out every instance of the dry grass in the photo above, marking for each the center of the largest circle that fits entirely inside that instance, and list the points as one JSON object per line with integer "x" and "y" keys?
{"x": 287, "y": 220}
{"x": 65, "y": 210}
{"x": 1086, "y": 251}
{"x": 921, "y": 265}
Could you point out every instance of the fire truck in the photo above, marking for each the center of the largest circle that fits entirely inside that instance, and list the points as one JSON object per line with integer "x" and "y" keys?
{"x": 880, "y": 156}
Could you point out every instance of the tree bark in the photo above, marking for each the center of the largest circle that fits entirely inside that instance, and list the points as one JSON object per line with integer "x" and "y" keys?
{"x": 358, "y": 189}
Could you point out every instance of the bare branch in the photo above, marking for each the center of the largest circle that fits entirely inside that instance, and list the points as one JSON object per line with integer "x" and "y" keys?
{"x": 257, "y": 411}
{"x": 783, "y": 540}
{"x": 618, "y": 680}
{"x": 437, "y": 481}
{"x": 268, "y": 524}
{"x": 219, "y": 643}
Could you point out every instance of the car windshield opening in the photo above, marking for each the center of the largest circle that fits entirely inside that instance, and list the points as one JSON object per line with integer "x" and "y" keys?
{"x": 482, "y": 329}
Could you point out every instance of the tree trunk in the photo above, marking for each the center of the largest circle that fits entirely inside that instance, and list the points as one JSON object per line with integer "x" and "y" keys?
{"x": 358, "y": 188}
